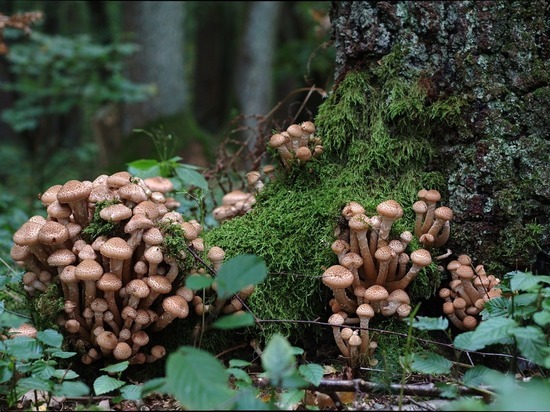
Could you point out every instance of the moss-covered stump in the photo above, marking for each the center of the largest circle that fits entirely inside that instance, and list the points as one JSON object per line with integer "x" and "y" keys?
{"x": 494, "y": 57}
{"x": 375, "y": 128}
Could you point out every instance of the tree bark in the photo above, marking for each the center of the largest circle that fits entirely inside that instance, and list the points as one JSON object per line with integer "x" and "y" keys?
{"x": 494, "y": 55}
{"x": 254, "y": 79}
{"x": 158, "y": 28}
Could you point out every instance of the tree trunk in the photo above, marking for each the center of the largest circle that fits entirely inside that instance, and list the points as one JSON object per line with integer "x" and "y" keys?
{"x": 493, "y": 56}
{"x": 158, "y": 28}
{"x": 254, "y": 80}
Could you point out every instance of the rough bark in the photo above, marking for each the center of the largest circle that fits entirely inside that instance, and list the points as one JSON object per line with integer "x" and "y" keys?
{"x": 158, "y": 28}
{"x": 494, "y": 55}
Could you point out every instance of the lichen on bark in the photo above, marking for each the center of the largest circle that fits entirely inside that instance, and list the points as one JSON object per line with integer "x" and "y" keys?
{"x": 494, "y": 56}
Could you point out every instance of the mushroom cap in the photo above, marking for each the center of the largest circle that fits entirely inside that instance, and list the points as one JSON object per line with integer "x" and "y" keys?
{"x": 100, "y": 193}
{"x": 469, "y": 322}
{"x": 252, "y": 177}
{"x": 122, "y": 351}
{"x": 53, "y": 233}
{"x": 116, "y": 248}
{"x": 234, "y": 196}
{"x": 421, "y": 257}
{"x": 352, "y": 208}
{"x": 50, "y": 195}
{"x": 59, "y": 210}
{"x": 132, "y": 192}
{"x": 68, "y": 274}
{"x": 148, "y": 208}
{"x": 154, "y": 255}
{"x": 376, "y": 293}
{"x": 294, "y": 131}
{"x": 99, "y": 305}
{"x": 107, "y": 340}
{"x": 277, "y": 140}
{"x": 432, "y": 196}
{"x": 337, "y": 277}
{"x": 27, "y": 234}
{"x": 403, "y": 310}
{"x": 420, "y": 206}
{"x": 308, "y": 127}
{"x": 176, "y": 305}
{"x": 389, "y": 209}
{"x": 153, "y": 236}
{"x": 406, "y": 237}
{"x": 396, "y": 246}
{"x": 215, "y": 254}
{"x": 465, "y": 272}
{"x": 459, "y": 303}
{"x": 365, "y": 311}
{"x": 159, "y": 184}
{"x": 355, "y": 340}
{"x": 448, "y": 308}
{"x": 25, "y": 329}
{"x": 443, "y": 213}
{"x": 158, "y": 351}
{"x": 109, "y": 282}
{"x": 158, "y": 284}
{"x": 303, "y": 153}
{"x": 138, "y": 222}
{"x": 61, "y": 257}
{"x": 88, "y": 269}
{"x": 399, "y": 295}
{"x": 453, "y": 265}
{"x": 189, "y": 230}
{"x": 74, "y": 190}
{"x": 352, "y": 260}
{"x": 140, "y": 338}
{"x": 464, "y": 259}
{"x": 359, "y": 222}
{"x": 384, "y": 254}
{"x": 336, "y": 319}
{"x": 346, "y": 333}
{"x": 138, "y": 288}
{"x": 115, "y": 212}
{"x": 118, "y": 179}
{"x": 340, "y": 246}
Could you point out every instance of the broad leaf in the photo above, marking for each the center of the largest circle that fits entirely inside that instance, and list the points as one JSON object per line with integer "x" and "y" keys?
{"x": 105, "y": 384}
{"x": 196, "y": 281}
{"x": 533, "y": 344}
{"x": 278, "y": 361}
{"x": 427, "y": 323}
{"x": 238, "y": 273}
{"x": 23, "y": 348}
{"x": 65, "y": 374}
{"x": 234, "y": 321}
{"x": 153, "y": 385}
{"x": 50, "y": 337}
{"x": 191, "y": 177}
{"x": 34, "y": 383}
{"x": 488, "y": 332}
{"x": 289, "y": 399}
{"x": 526, "y": 281}
{"x": 138, "y": 167}
{"x": 117, "y": 367}
{"x": 495, "y": 307}
{"x": 431, "y": 363}
{"x": 63, "y": 354}
{"x": 247, "y": 400}
{"x": 312, "y": 372}
{"x": 131, "y": 392}
{"x": 71, "y": 389}
{"x": 542, "y": 318}
{"x": 198, "y": 380}
{"x": 476, "y": 376}
{"x": 240, "y": 375}
{"x": 238, "y": 363}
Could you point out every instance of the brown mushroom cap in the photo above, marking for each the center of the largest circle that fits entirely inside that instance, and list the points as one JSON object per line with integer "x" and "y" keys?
{"x": 176, "y": 305}
{"x": 53, "y": 233}
{"x": 389, "y": 209}
{"x": 159, "y": 184}
{"x": 122, "y": 351}
{"x": 376, "y": 293}
{"x": 88, "y": 270}
{"x": 115, "y": 212}
{"x": 277, "y": 140}
{"x": 116, "y": 248}
{"x": 337, "y": 277}
{"x": 421, "y": 257}
{"x": 118, "y": 179}
{"x": 365, "y": 311}
{"x": 73, "y": 191}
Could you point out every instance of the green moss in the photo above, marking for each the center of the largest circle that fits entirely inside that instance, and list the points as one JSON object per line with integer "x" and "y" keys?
{"x": 46, "y": 307}
{"x": 101, "y": 227}
{"x": 375, "y": 128}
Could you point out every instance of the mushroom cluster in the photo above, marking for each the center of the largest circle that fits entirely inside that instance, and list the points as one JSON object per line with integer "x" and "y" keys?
{"x": 467, "y": 293}
{"x": 433, "y": 224}
{"x": 297, "y": 144}
{"x": 371, "y": 276}
{"x": 122, "y": 285}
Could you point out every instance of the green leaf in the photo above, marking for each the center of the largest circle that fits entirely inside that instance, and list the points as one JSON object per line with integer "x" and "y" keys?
{"x": 488, "y": 332}
{"x": 533, "y": 395}
{"x": 297, "y": 351}
{"x": 526, "y": 281}
{"x": 42, "y": 370}
{"x": 63, "y": 354}
{"x": 312, "y": 372}
{"x": 105, "y": 384}
{"x": 117, "y": 367}
{"x": 196, "y": 281}
{"x": 131, "y": 392}
{"x": 476, "y": 376}
{"x": 430, "y": 363}
{"x": 71, "y": 389}
{"x": 65, "y": 374}
{"x": 142, "y": 165}
{"x": 532, "y": 343}
{"x": 190, "y": 177}
{"x": 198, "y": 380}
{"x": 447, "y": 390}
{"x": 240, "y": 375}
{"x": 234, "y": 321}
{"x": 153, "y": 385}
{"x": 6, "y": 371}
{"x": 34, "y": 382}
{"x": 496, "y": 307}
{"x": 427, "y": 323}
{"x": 239, "y": 272}
{"x": 278, "y": 361}
{"x": 50, "y": 337}
{"x": 23, "y": 348}
{"x": 238, "y": 363}
{"x": 542, "y": 318}
{"x": 289, "y": 398}
{"x": 247, "y": 400}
